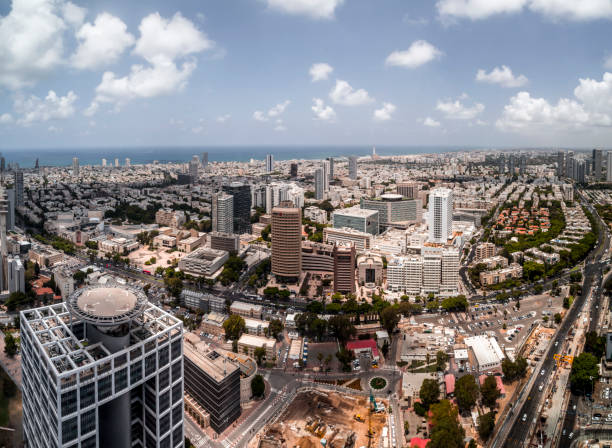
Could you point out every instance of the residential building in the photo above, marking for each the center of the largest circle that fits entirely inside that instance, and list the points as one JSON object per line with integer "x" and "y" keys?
{"x": 19, "y": 188}
{"x": 204, "y": 160}
{"x": 501, "y": 275}
{"x": 170, "y": 218}
{"x": 484, "y": 250}
{"x": 269, "y": 163}
{"x": 245, "y": 310}
{"x": 194, "y": 164}
{"x": 222, "y": 213}
{"x": 212, "y": 323}
{"x": 560, "y": 164}
{"x": 440, "y": 215}
{"x": 75, "y": 166}
{"x": 352, "y": 167}
{"x": 609, "y": 167}
{"x": 597, "y": 162}
{"x": 315, "y": 214}
{"x": 293, "y": 171}
{"x": 344, "y": 268}
{"x": 409, "y": 190}
{"x": 286, "y": 241}
{"x": 15, "y": 275}
{"x": 319, "y": 184}
{"x": 363, "y": 220}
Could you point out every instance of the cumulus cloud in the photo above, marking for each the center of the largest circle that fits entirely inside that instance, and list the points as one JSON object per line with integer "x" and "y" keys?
{"x": 274, "y": 112}
{"x": 278, "y": 109}
{"x": 502, "y": 76}
{"x": 223, "y": 118}
{"x": 321, "y": 111}
{"x": 385, "y": 112}
{"x": 259, "y": 116}
{"x": 456, "y": 110}
{"x": 344, "y": 94}
{"x": 315, "y": 9}
{"x": 420, "y": 52}
{"x": 430, "y": 122}
{"x": 6, "y": 118}
{"x": 579, "y": 10}
{"x": 280, "y": 127}
{"x": 320, "y": 71}
{"x": 102, "y": 42}
{"x": 53, "y": 107}
{"x": 161, "y": 42}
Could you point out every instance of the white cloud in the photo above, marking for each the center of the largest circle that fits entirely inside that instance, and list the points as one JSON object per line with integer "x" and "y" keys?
{"x": 6, "y": 118}
{"x": 280, "y": 127}
{"x": 344, "y": 94}
{"x": 278, "y": 109}
{"x": 73, "y": 14}
{"x": 608, "y": 62}
{"x": 320, "y": 71}
{"x": 161, "y": 43}
{"x": 31, "y": 41}
{"x": 52, "y": 107}
{"x": 420, "y": 52}
{"x": 102, "y": 42}
{"x": 430, "y": 122}
{"x": 456, "y": 110}
{"x": 316, "y": 9}
{"x": 223, "y": 118}
{"x": 259, "y": 116}
{"x": 552, "y": 9}
{"x": 385, "y": 112}
{"x": 54, "y": 129}
{"x": 502, "y": 76}
{"x": 321, "y": 111}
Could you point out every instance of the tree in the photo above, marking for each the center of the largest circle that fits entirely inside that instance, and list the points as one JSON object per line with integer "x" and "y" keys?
{"x": 466, "y": 392}
{"x": 446, "y": 432}
{"x": 315, "y": 307}
{"x": 174, "y": 286}
{"x": 234, "y": 326}
{"x": 260, "y": 353}
{"x": 595, "y": 344}
{"x": 342, "y": 327}
{"x": 389, "y": 318}
{"x": 345, "y": 357}
{"x": 258, "y": 387}
{"x": 10, "y": 345}
{"x": 275, "y": 328}
{"x": 557, "y": 318}
{"x": 441, "y": 359}
{"x": 79, "y": 276}
{"x": 486, "y": 423}
{"x": 385, "y": 348}
{"x": 489, "y": 392}
{"x": 584, "y": 373}
{"x": 429, "y": 392}
{"x": 514, "y": 370}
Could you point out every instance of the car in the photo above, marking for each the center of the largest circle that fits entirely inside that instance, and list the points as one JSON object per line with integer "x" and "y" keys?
{"x": 541, "y": 387}
{"x": 542, "y": 372}
{"x": 564, "y": 431}
{"x": 574, "y": 408}
{"x": 524, "y": 419}
{"x": 571, "y": 435}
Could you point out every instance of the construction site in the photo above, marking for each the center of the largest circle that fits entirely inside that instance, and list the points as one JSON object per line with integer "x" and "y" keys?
{"x": 316, "y": 419}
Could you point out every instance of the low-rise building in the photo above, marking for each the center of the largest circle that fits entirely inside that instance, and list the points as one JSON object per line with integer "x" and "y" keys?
{"x": 191, "y": 243}
{"x": 484, "y": 250}
{"x": 317, "y": 256}
{"x": 248, "y": 343}
{"x": 370, "y": 268}
{"x": 225, "y": 241}
{"x": 360, "y": 219}
{"x": 364, "y": 346}
{"x": 246, "y": 310}
{"x": 45, "y": 256}
{"x": 484, "y": 352}
{"x": 203, "y": 261}
{"x": 501, "y": 275}
{"x": 256, "y": 327}
{"x": 361, "y": 240}
{"x": 212, "y": 323}
{"x": 170, "y": 218}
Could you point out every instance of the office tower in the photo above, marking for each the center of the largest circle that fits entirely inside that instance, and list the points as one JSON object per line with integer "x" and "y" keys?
{"x": 609, "y": 168}
{"x": 116, "y": 162}
{"x": 36, "y": 167}
{"x": 194, "y": 164}
{"x": 409, "y": 190}
{"x": 75, "y": 166}
{"x": 352, "y": 167}
{"x": 440, "y": 215}
{"x": 569, "y": 160}
{"x": 344, "y": 268}
{"x": 560, "y": 164}
{"x": 204, "y": 160}
{"x": 580, "y": 171}
{"x": 286, "y": 231}
{"x": 10, "y": 216}
{"x": 331, "y": 168}
{"x": 394, "y": 210}
{"x": 294, "y": 170}
{"x": 325, "y": 166}
{"x": 102, "y": 369}
{"x": 128, "y": 162}
{"x": 269, "y": 163}
{"x": 363, "y": 220}
{"x": 597, "y": 160}
{"x": 18, "y": 188}
{"x": 223, "y": 213}
{"x": 511, "y": 164}
{"x": 2, "y": 165}
{"x": 242, "y": 206}
{"x": 104, "y": 162}
{"x": 319, "y": 184}
{"x": 502, "y": 164}
{"x": 523, "y": 165}
{"x": 15, "y": 275}
{"x": 3, "y": 248}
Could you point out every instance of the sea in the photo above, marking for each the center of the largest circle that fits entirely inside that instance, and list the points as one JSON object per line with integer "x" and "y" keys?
{"x": 26, "y": 158}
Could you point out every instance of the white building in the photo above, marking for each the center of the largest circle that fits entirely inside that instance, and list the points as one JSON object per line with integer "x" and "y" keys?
{"x": 223, "y": 213}
{"x": 485, "y": 352}
{"x": 15, "y": 274}
{"x": 269, "y": 163}
{"x": 440, "y": 215}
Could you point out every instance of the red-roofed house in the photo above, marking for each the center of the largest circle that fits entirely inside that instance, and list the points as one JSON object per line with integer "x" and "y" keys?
{"x": 417, "y": 442}
{"x": 449, "y": 383}
{"x": 364, "y": 346}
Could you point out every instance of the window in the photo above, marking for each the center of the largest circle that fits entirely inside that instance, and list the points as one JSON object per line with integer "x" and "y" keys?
{"x": 69, "y": 402}
{"x": 88, "y": 421}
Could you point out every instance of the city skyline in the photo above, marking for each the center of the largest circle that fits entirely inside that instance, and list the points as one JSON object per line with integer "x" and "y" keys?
{"x": 322, "y": 73}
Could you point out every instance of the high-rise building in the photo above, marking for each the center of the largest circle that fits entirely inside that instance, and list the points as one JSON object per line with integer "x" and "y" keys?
{"x": 502, "y": 164}
{"x": 512, "y": 164}
{"x": 75, "y": 166}
{"x": 286, "y": 232}
{"x": 331, "y": 168}
{"x": 269, "y": 163}
{"x": 194, "y": 164}
{"x": 2, "y": 165}
{"x": 609, "y": 168}
{"x": 580, "y": 171}
{"x": 242, "y": 206}
{"x": 409, "y": 190}
{"x": 569, "y": 164}
{"x": 319, "y": 184}
{"x": 326, "y": 177}
{"x": 344, "y": 268}
{"x": 103, "y": 162}
{"x": 15, "y": 275}
{"x": 19, "y": 188}
{"x": 394, "y": 210}
{"x": 204, "y": 160}
{"x": 128, "y": 162}
{"x": 103, "y": 368}
{"x": 10, "y": 216}
{"x": 560, "y": 164}
{"x": 522, "y": 165}
{"x": 440, "y": 215}
{"x": 223, "y": 213}
{"x": 116, "y": 162}
{"x": 352, "y": 167}
{"x": 293, "y": 171}
{"x": 597, "y": 162}
{"x": 36, "y": 166}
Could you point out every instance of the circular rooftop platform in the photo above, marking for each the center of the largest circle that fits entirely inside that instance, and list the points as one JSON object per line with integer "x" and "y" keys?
{"x": 107, "y": 305}
{"x": 391, "y": 197}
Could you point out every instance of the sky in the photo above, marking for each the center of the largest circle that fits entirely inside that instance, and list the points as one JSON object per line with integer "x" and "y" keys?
{"x": 488, "y": 73}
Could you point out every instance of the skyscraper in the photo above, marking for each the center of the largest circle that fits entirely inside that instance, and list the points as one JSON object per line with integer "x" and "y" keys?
{"x": 293, "y": 172}
{"x": 569, "y": 164}
{"x": 326, "y": 176}
{"x": 440, "y": 215}
{"x": 344, "y": 268}
{"x": 511, "y": 164}
{"x": 15, "y": 275}
{"x": 116, "y": 162}
{"x": 560, "y": 164}
{"x": 204, "y": 160}
{"x": 104, "y": 162}
{"x": 242, "y": 205}
{"x": 597, "y": 161}
{"x": 502, "y": 164}
{"x": 609, "y": 168}
{"x": 194, "y": 163}
{"x": 319, "y": 184}
{"x": 269, "y": 163}
{"x": 128, "y": 161}
{"x": 3, "y": 248}
{"x": 19, "y": 188}
{"x": 106, "y": 371}
{"x": 223, "y": 213}
{"x": 331, "y": 168}
{"x": 352, "y": 167}
{"x": 75, "y": 166}
{"x": 286, "y": 231}
{"x": 522, "y": 165}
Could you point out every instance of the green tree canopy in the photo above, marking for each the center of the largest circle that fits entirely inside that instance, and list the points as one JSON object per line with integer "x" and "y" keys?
{"x": 466, "y": 392}
{"x": 258, "y": 387}
{"x": 234, "y": 326}
{"x": 486, "y": 423}
{"x": 584, "y": 374}
{"x": 489, "y": 392}
{"x": 429, "y": 392}
{"x": 389, "y": 318}
{"x": 446, "y": 432}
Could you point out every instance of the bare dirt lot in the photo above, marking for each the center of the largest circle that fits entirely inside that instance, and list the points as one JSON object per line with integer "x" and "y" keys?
{"x": 315, "y": 415}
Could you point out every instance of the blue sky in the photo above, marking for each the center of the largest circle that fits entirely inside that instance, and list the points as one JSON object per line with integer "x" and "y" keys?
{"x": 317, "y": 72}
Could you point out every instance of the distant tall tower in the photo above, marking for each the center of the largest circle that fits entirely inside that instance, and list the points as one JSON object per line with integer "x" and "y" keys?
{"x": 36, "y": 167}
{"x": 502, "y": 164}
{"x": 269, "y": 163}
{"x": 116, "y": 162}
{"x": 326, "y": 168}
{"x": 352, "y": 167}
{"x": 19, "y": 188}
{"x": 597, "y": 161}
{"x": 104, "y": 162}
{"x": 128, "y": 162}
{"x": 331, "y": 168}
{"x": 440, "y": 215}
{"x": 223, "y": 213}
{"x": 194, "y": 163}
{"x": 319, "y": 184}
{"x": 286, "y": 231}
{"x": 204, "y": 160}
{"x": 560, "y": 164}
{"x": 75, "y": 166}
{"x": 2, "y": 166}
{"x": 3, "y": 250}
{"x": 609, "y": 172}
{"x": 293, "y": 172}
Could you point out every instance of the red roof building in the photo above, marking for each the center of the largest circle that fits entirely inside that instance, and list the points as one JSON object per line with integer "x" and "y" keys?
{"x": 364, "y": 346}
{"x": 449, "y": 383}
{"x": 417, "y": 442}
